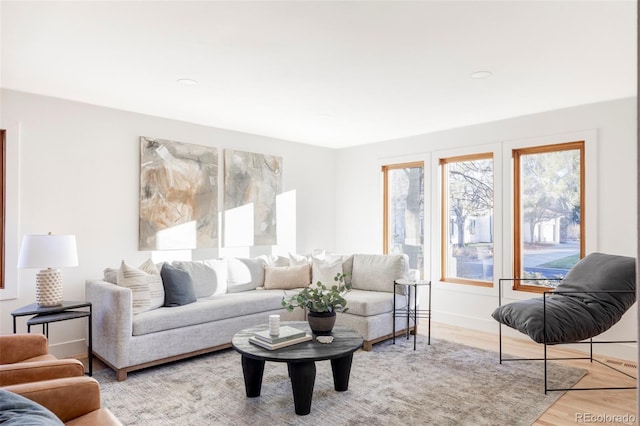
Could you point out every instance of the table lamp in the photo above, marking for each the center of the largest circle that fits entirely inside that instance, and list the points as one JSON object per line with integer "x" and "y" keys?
{"x": 48, "y": 252}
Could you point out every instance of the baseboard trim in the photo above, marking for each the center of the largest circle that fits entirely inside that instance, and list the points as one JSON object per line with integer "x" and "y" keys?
{"x": 69, "y": 349}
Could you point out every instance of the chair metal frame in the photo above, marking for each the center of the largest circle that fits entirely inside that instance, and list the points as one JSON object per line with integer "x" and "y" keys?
{"x": 589, "y": 342}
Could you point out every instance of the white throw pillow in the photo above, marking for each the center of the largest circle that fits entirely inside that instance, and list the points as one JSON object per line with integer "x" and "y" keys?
{"x": 286, "y": 277}
{"x": 244, "y": 274}
{"x": 209, "y": 277}
{"x": 347, "y": 267}
{"x": 377, "y": 272}
{"x": 319, "y": 253}
{"x": 146, "y": 288}
{"x": 325, "y": 269}
{"x": 298, "y": 259}
{"x": 149, "y": 267}
{"x": 273, "y": 260}
{"x": 111, "y": 275}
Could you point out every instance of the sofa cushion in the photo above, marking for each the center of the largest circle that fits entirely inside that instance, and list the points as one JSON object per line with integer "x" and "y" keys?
{"x": 146, "y": 288}
{"x": 209, "y": 277}
{"x": 367, "y": 303}
{"x": 286, "y": 277}
{"x": 325, "y": 269}
{"x": 244, "y": 274}
{"x": 178, "y": 287}
{"x": 209, "y": 309}
{"x": 378, "y": 272}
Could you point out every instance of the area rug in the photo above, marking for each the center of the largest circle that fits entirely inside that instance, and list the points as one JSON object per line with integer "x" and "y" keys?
{"x": 443, "y": 383}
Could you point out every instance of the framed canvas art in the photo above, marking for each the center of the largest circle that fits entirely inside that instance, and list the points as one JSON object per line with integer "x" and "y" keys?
{"x": 178, "y": 195}
{"x": 251, "y": 183}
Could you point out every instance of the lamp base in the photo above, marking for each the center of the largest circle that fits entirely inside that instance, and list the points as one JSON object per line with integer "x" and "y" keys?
{"x": 49, "y": 287}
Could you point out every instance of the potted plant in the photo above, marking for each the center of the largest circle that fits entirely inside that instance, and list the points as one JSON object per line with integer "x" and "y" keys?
{"x": 322, "y": 303}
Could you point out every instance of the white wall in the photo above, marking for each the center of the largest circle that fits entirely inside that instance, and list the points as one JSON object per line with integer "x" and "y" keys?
{"x": 611, "y": 186}
{"x": 77, "y": 172}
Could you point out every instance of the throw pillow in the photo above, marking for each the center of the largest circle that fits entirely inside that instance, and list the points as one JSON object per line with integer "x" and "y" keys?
{"x": 147, "y": 291}
{"x": 149, "y": 267}
{"x": 377, "y": 272}
{"x": 298, "y": 259}
{"x": 347, "y": 267}
{"x": 244, "y": 274}
{"x": 111, "y": 275}
{"x": 273, "y": 260}
{"x": 286, "y": 277}
{"x": 17, "y": 410}
{"x": 209, "y": 277}
{"x": 325, "y": 269}
{"x": 178, "y": 287}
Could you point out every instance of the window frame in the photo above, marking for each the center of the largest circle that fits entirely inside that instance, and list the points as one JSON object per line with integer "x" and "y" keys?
{"x": 385, "y": 198}
{"x": 444, "y": 215}
{"x": 516, "y": 154}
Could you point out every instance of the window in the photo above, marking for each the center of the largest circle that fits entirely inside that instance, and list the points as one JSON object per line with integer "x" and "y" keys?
{"x": 404, "y": 212}
{"x": 549, "y": 212}
{"x": 467, "y": 219}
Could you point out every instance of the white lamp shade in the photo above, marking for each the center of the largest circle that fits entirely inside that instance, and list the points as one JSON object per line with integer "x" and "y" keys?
{"x": 48, "y": 251}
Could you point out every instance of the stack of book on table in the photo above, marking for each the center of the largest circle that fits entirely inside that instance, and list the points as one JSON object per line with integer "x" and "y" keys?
{"x": 288, "y": 336}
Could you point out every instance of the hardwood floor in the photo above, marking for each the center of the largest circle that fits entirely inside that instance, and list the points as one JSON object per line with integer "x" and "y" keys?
{"x": 574, "y": 407}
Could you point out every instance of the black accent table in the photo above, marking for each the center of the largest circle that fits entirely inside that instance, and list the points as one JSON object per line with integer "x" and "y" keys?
{"x": 44, "y": 315}
{"x": 300, "y": 359}
{"x": 412, "y": 312}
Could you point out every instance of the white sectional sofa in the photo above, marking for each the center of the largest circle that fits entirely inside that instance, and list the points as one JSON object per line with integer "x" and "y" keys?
{"x": 133, "y": 329}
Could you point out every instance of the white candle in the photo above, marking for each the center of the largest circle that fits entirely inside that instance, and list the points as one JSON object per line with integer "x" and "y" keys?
{"x": 274, "y": 325}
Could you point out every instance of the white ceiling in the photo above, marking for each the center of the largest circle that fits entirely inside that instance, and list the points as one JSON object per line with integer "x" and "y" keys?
{"x": 333, "y": 74}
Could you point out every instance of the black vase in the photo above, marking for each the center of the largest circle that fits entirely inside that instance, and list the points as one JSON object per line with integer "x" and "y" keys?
{"x": 321, "y": 323}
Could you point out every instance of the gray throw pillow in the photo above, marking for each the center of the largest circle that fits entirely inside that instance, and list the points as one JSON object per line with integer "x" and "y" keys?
{"x": 18, "y": 410}
{"x": 178, "y": 287}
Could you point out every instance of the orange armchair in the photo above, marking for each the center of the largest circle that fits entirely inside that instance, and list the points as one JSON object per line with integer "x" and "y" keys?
{"x": 74, "y": 400}
{"x": 25, "y": 358}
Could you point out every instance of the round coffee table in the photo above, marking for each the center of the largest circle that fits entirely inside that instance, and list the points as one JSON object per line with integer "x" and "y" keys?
{"x": 300, "y": 359}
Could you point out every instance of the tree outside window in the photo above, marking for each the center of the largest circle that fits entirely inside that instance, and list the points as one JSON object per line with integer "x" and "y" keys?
{"x": 404, "y": 212}
{"x": 467, "y": 219}
{"x": 549, "y": 213}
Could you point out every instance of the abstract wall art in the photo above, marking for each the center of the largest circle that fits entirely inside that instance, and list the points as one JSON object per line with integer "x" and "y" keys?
{"x": 178, "y": 195}
{"x": 252, "y": 182}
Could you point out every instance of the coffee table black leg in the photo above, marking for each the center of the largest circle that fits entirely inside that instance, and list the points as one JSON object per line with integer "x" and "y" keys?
{"x": 252, "y": 369}
{"x": 303, "y": 377}
{"x": 341, "y": 368}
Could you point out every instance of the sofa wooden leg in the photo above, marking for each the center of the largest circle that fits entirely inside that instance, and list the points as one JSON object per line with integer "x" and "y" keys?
{"x": 367, "y": 346}
{"x": 121, "y": 375}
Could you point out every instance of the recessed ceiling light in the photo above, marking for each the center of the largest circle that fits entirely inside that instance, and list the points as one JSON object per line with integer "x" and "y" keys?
{"x": 481, "y": 74}
{"x": 187, "y": 82}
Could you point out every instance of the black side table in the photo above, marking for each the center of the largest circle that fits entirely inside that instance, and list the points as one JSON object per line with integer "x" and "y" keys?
{"x": 412, "y": 312}
{"x": 48, "y": 314}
